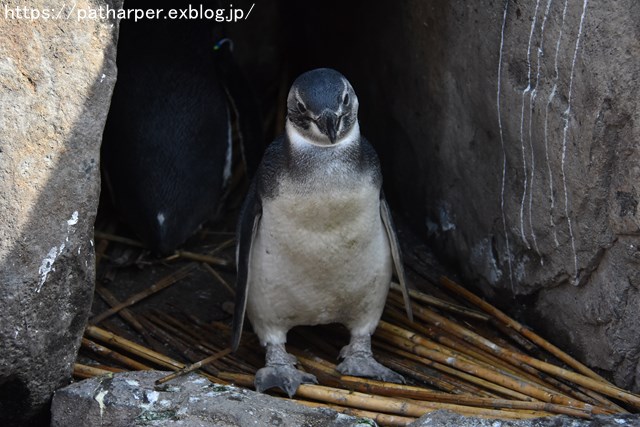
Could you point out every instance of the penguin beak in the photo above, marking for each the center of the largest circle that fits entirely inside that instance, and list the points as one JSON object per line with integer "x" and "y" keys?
{"x": 332, "y": 127}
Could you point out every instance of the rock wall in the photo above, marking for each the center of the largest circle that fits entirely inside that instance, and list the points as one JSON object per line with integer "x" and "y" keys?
{"x": 56, "y": 78}
{"x": 534, "y": 182}
{"x": 508, "y": 134}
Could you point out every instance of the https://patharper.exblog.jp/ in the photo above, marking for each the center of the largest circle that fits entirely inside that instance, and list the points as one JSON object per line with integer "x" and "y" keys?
{"x": 73, "y": 11}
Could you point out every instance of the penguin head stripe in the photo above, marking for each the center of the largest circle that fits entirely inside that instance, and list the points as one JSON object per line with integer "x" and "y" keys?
{"x": 322, "y": 106}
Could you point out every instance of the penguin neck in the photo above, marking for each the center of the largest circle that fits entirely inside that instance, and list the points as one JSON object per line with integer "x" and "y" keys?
{"x": 300, "y": 141}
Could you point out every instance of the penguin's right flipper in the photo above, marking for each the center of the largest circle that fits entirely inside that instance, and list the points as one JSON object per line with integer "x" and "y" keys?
{"x": 247, "y": 229}
{"x": 387, "y": 220}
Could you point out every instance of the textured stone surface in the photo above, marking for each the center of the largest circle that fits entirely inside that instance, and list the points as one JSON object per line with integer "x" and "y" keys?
{"x": 132, "y": 399}
{"x": 527, "y": 178}
{"x": 450, "y": 419}
{"x": 56, "y": 78}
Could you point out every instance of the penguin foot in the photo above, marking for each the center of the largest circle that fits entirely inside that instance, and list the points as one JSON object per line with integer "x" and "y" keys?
{"x": 368, "y": 367}
{"x": 286, "y": 377}
{"x": 358, "y": 361}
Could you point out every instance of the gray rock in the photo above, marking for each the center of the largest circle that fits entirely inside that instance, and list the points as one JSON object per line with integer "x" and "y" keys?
{"x": 527, "y": 179}
{"x": 132, "y": 399}
{"x": 450, "y": 419}
{"x": 56, "y": 77}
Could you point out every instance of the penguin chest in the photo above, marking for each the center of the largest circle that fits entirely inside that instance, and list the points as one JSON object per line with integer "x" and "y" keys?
{"x": 320, "y": 257}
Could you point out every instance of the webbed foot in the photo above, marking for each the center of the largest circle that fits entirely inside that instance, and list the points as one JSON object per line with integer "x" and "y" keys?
{"x": 358, "y": 361}
{"x": 285, "y": 377}
{"x": 279, "y": 371}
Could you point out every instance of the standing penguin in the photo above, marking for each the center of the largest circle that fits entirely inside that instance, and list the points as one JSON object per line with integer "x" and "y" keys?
{"x": 316, "y": 242}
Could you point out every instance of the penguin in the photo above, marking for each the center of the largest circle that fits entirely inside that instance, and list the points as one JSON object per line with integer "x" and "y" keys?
{"x": 167, "y": 145}
{"x": 316, "y": 241}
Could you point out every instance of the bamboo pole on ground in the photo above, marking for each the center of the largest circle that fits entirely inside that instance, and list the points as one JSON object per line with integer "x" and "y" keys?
{"x": 141, "y": 351}
{"x": 442, "y": 304}
{"x": 496, "y": 389}
{"x": 110, "y": 237}
{"x": 413, "y": 342}
{"x": 113, "y": 355}
{"x": 420, "y": 393}
{"x": 128, "y": 316}
{"x": 450, "y": 341}
{"x": 513, "y": 324}
{"x": 467, "y": 336}
{"x": 133, "y": 348}
{"x": 86, "y": 371}
{"x": 219, "y": 278}
{"x": 389, "y": 405}
{"x": 457, "y": 343}
{"x": 156, "y": 287}
{"x": 208, "y": 259}
{"x": 245, "y": 380}
{"x": 498, "y": 369}
{"x": 379, "y": 418}
{"x": 514, "y": 357}
{"x": 194, "y": 366}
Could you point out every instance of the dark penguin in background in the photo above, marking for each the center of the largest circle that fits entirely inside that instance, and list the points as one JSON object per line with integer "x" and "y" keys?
{"x": 167, "y": 141}
{"x": 316, "y": 242}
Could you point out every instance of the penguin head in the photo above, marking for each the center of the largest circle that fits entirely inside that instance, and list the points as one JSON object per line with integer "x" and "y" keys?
{"x": 322, "y": 107}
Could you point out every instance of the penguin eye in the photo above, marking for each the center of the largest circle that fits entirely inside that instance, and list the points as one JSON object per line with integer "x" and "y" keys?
{"x": 301, "y": 107}
{"x": 346, "y": 100}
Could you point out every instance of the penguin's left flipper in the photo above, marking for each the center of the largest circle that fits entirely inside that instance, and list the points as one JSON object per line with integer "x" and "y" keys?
{"x": 247, "y": 228}
{"x": 387, "y": 220}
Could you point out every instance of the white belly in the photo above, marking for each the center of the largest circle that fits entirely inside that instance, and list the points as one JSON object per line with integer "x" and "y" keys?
{"x": 319, "y": 258}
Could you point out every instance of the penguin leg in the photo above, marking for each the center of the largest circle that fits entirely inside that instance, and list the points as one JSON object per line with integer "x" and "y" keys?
{"x": 358, "y": 361}
{"x": 279, "y": 371}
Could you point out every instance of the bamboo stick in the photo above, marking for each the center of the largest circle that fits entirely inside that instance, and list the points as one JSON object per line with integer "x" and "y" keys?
{"x": 201, "y": 338}
{"x": 156, "y": 287}
{"x": 113, "y": 355}
{"x": 379, "y": 418}
{"x": 177, "y": 344}
{"x": 193, "y": 336}
{"x": 384, "y": 419}
{"x": 498, "y": 368}
{"x": 413, "y": 342}
{"x": 515, "y": 357}
{"x": 208, "y": 259}
{"x": 194, "y": 366}
{"x": 142, "y": 352}
{"x": 133, "y": 348}
{"x": 442, "y": 337}
{"x": 513, "y": 367}
{"x": 513, "y": 324}
{"x": 190, "y": 332}
{"x": 404, "y": 407}
{"x": 219, "y": 278}
{"x": 128, "y": 316}
{"x": 85, "y": 371}
{"x": 118, "y": 239}
{"x": 521, "y": 369}
{"x": 444, "y": 305}
{"x": 419, "y": 393}
{"x": 180, "y": 254}
{"x": 513, "y": 335}
{"x": 432, "y": 377}
{"x": 497, "y": 389}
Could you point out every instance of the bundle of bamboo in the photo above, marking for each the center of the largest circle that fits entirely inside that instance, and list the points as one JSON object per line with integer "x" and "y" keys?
{"x": 460, "y": 354}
